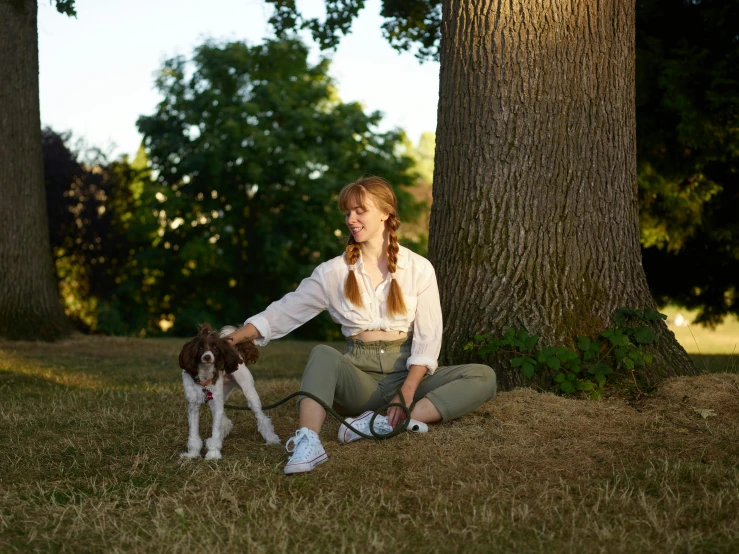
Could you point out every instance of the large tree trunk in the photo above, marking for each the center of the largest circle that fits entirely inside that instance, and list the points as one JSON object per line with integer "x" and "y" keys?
{"x": 534, "y": 221}
{"x": 29, "y": 301}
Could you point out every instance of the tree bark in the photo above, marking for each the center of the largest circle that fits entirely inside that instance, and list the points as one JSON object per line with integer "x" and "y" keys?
{"x": 29, "y": 300}
{"x": 534, "y": 222}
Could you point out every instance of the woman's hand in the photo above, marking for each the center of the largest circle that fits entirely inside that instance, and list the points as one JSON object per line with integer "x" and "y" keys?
{"x": 408, "y": 390}
{"x": 247, "y": 333}
{"x": 395, "y": 413}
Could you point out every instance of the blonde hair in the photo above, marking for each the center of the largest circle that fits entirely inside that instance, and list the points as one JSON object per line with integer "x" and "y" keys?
{"x": 353, "y": 195}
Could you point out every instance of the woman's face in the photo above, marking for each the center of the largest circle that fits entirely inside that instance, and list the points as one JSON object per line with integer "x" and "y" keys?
{"x": 366, "y": 223}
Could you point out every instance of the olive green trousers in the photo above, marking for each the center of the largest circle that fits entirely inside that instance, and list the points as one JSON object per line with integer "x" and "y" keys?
{"x": 369, "y": 374}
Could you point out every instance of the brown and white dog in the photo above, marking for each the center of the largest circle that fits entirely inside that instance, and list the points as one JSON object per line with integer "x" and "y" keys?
{"x": 211, "y": 369}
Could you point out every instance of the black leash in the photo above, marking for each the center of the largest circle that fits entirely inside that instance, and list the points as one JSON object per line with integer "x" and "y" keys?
{"x": 402, "y": 424}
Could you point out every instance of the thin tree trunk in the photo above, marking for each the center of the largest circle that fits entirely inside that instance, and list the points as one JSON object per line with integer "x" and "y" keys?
{"x": 534, "y": 221}
{"x": 29, "y": 301}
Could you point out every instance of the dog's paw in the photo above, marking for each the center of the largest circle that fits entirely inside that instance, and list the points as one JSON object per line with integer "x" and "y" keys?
{"x": 226, "y": 427}
{"x": 194, "y": 445}
{"x": 191, "y": 454}
{"x": 267, "y": 430}
{"x": 213, "y": 455}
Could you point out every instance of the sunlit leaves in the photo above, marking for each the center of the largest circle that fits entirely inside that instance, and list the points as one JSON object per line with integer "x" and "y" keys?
{"x": 250, "y": 146}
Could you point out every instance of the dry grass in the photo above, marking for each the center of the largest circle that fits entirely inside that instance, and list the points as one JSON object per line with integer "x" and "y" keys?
{"x": 92, "y": 429}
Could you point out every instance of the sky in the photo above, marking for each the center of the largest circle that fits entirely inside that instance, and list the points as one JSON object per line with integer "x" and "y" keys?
{"x": 97, "y": 70}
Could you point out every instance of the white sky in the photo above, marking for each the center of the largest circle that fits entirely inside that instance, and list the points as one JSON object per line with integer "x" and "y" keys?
{"x": 96, "y": 71}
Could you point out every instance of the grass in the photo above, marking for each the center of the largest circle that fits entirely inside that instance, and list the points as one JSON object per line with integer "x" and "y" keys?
{"x": 712, "y": 350}
{"x": 92, "y": 429}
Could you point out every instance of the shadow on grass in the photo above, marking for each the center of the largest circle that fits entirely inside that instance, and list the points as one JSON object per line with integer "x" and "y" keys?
{"x": 717, "y": 363}
{"x": 87, "y": 362}
{"x": 27, "y": 382}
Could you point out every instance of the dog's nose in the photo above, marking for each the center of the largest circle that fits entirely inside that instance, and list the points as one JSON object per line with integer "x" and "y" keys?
{"x": 207, "y": 357}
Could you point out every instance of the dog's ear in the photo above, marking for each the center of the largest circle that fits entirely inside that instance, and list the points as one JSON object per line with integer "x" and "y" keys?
{"x": 249, "y": 352}
{"x": 204, "y": 329}
{"x": 189, "y": 356}
{"x": 228, "y": 359}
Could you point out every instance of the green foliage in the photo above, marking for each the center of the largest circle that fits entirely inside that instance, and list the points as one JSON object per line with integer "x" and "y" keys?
{"x": 340, "y": 15}
{"x": 409, "y": 24}
{"x": 413, "y": 24}
{"x": 66, "y": 7}
{"x": 586, "y": 369}
{"x": 249, "y": 148}
{"x": 687, "y": 76}
{"x": 422, "y": 155}
{"x": 89, "y": 205}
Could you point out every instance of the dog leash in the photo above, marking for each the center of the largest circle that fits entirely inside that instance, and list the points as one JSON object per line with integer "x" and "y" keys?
{"x": 402, "y": 424}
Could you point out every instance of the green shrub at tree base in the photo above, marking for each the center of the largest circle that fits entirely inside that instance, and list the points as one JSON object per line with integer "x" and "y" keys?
{"x": 588, "y": 369}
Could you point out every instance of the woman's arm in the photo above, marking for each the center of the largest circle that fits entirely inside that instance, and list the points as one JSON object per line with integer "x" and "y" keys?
{"x": 427, "y": 325}
{"x": 427, "y": 329}
{"x": 288, "y": 313}
{"x": 245, "y": 334}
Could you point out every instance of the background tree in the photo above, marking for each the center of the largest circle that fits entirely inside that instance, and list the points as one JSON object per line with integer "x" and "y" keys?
{"x": 688, "y": 152}
{"x": 90, "y": 204}
{"x": 422, "y": 155}
{"x": 250, "y": 147}
{"x": 29, "y": 302}
{"x": 535, "y": 216}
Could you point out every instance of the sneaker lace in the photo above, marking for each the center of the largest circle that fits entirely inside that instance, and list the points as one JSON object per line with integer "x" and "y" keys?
{"x": 298, "y": 444}
{"x": 381, "y": 426}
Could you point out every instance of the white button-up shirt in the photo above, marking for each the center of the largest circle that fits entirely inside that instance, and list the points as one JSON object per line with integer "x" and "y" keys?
{"x": 324, "y": 290}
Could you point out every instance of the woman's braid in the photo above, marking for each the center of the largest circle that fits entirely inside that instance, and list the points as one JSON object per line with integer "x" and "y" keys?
{"x": 351, "y": 287}
{"x": 392, "y": 224}
{"x": 395, "y": 300}
{"x": 352, "y": 251}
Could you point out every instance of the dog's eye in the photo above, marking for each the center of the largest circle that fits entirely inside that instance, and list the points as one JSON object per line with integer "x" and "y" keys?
{"x": 215, "y": 349}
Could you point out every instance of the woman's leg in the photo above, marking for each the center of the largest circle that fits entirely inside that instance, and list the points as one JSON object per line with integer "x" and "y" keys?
{"x": 338, "y": 383}
{"x": 453, "y": 391}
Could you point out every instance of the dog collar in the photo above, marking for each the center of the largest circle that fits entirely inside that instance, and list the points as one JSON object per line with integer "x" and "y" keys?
{"x": 207, "y": 394}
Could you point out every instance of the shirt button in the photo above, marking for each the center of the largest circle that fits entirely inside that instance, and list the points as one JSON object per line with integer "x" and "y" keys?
{"x": 382, "y": 351}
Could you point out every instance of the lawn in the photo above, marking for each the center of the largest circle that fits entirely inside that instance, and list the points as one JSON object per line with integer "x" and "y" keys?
{"x": 92, "y": 429}
{"x": 713, "y": 350}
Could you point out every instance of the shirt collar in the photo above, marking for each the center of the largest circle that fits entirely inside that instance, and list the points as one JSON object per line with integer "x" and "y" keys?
{"x": 403, "y": 258}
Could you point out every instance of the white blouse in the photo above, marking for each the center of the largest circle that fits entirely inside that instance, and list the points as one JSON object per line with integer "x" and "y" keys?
{"x": 324, "y": 290}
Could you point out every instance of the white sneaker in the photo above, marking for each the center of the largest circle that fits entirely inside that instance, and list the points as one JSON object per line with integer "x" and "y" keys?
{"x": 307, "y": 451}
{"x": 381, "y": 427}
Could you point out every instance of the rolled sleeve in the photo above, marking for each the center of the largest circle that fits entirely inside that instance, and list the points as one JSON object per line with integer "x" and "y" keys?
{"x": 262, "y": 325}
{"x": 427, "y": 327}
{"x": 292, "y": 310}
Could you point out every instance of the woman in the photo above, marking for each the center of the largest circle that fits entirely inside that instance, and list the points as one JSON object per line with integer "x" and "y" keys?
{"x": 387, "y": 301}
